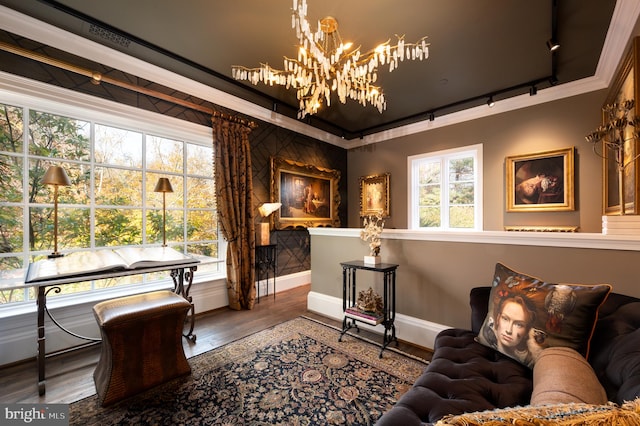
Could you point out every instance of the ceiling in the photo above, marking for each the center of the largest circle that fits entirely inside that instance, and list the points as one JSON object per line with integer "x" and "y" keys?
{"x": 477, "y": 48}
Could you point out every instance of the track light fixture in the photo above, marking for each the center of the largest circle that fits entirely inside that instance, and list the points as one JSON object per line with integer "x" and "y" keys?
{"x": 552, "y": 44}
{"x": 491, "y": 102}
{"x": 533, "y": 90}
{"x": 432, "y": 116}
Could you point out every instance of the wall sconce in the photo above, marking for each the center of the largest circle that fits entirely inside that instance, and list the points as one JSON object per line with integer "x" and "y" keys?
{"x": 56, "y": 176}
{"x": 262, "y": 229}
{"x": 164, "y": 186}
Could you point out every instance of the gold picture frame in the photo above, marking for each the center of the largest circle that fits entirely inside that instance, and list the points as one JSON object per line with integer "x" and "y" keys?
{"x": 542, "y": 181}
{"x": 308, "y": 194}
{"x": 374, "y": 195}
{"x": 541, "y": 228}
{"x": 626, "y": 86}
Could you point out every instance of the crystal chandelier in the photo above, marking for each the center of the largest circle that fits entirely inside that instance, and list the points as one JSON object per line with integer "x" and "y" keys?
{"x": 325, "y": 64}
{"x": 620, "y": 126}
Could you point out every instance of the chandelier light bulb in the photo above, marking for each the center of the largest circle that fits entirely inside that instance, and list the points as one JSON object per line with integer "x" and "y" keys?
{"x": 325, "y": 65}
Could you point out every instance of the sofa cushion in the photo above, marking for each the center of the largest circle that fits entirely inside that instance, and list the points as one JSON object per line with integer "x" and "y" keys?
{"x": 527, "y": 314}
{"x": 463, "y": 376}
{"x": 557, "y": 415}
{"x": 562, "y": 375}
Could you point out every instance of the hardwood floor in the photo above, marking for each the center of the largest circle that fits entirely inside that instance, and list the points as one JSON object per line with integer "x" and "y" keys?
{"x": 70, "y": 376}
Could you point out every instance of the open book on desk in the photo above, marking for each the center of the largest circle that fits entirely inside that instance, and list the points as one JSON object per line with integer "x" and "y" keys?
{"x": 88, "y": 262}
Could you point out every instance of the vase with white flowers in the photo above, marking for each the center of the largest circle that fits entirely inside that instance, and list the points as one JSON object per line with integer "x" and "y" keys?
{"x": 373, "y": 226}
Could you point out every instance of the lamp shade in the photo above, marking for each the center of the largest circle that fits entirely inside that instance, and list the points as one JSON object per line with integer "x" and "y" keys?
{"x": 55, "y": 175}
{"x": 163, "y": 185}
{"x": 267, "y": 208}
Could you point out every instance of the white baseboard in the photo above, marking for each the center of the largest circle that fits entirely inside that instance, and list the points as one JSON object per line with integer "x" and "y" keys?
{"x": 408, "y": 329}
{"x": 18, "y": 334}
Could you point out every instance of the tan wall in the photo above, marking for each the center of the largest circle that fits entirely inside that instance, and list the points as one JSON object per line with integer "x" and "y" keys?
{"x": 434, "y": 278}
{"x": 553, "y": 125}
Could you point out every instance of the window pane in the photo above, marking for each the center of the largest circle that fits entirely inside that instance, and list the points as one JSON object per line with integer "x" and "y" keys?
{"x": 11, "y": 183}
{"x": 15, "y": 295}
{"x": 429, "y": 217}
{"x": 199, "y": 250}
{"x": 118, "y": 187}
{"x": 461, "y": 217}
{"x": 73, "y": 228}
{"x": 118, "y": 147}
{"x": 201, "y": 225}
{"x": 164, "y": 154}
{"x": 461, "y": 169}
{"x": 429, "y": 195}
{"x": 174, "y": 226}
{"x": 11, "y": 129}
{"x": 11, "y": 230}
{"x": 461, "y": 193}
{"x": 201, "y": 193}
{"x": 118, "y": 227}
{"x": 429, "y": 172}
{"x": 58, "y": 137}
{"x": 199, "y": 160}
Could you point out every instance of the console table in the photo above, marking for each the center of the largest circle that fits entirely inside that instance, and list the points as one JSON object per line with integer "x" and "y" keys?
{"x": 388, "y": 315}
{"x": 181, "y": 274}
{"x": 266, "y": 264}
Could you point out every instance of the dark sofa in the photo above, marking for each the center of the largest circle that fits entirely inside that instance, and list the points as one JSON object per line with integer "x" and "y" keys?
{"x": 465, "y": 376}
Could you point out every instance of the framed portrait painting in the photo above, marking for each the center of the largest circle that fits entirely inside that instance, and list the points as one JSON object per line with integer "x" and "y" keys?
{"x": 308, "y": 194}
{"x": 374, "y": 195}
{"x": 623, "y": 183}
{"x": 541, "y": 181}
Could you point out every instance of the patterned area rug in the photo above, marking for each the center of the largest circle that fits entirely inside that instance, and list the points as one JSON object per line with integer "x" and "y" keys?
{"x": 296, "y": 373}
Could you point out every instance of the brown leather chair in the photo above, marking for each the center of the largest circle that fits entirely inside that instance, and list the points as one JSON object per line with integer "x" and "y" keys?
{"x": 141, "y": 343}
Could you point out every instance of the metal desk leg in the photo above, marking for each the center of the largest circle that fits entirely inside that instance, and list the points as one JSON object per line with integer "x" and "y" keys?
{"x": 42, "y": 301}
{"x": 179, "y": 276}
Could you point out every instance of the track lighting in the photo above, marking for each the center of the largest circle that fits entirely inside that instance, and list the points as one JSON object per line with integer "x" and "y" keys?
{"x": 432, "y": 116}
{"x": 533, "y": 90}
{"x": 491, "y": 102}
{"x": 552, "y": 44}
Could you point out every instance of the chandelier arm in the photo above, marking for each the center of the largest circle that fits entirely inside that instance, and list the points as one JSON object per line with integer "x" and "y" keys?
{"x": 325, "y": 64}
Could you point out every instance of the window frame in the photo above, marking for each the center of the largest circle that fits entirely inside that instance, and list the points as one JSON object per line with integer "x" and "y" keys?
{"x": 444, "y": 156}
{"x": 32, "y": 95}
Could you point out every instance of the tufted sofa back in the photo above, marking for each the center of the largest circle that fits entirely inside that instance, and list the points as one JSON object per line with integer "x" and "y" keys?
{"x": 615, "y": 345}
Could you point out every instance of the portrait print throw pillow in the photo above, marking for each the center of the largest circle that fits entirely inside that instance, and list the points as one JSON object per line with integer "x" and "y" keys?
{"x": 527, "y": 315}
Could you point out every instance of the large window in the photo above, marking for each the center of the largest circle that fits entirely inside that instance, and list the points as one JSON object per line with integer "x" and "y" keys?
{"x": 111, "y": 202}
{"x": 446, "y": 189}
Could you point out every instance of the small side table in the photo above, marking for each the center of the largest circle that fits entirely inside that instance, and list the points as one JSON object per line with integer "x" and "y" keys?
{"x": 266, "y": 262}
{"x": 388, "y": 316}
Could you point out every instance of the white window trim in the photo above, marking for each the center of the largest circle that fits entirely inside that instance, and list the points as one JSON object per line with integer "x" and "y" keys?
{"x": 412, "y": 195}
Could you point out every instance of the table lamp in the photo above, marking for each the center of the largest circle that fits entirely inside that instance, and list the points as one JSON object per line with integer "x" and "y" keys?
{"x": 262, "y": 229}
{"x": 163, "y": 186}
{"x": 56, "y": 176}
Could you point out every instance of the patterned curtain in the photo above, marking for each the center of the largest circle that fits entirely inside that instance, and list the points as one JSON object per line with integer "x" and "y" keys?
{"x": 234, "y": 189}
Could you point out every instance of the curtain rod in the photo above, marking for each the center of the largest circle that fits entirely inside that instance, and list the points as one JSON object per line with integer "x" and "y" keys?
{"x": 97, "y": 78}
{"x": 234, "y": 119}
